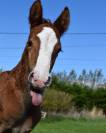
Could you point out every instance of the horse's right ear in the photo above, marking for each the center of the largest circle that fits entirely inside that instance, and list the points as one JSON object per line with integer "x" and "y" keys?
{"x": 35, "y": 16}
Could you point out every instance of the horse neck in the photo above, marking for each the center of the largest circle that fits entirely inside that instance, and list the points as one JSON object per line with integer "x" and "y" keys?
{"x": 21, "y": 71}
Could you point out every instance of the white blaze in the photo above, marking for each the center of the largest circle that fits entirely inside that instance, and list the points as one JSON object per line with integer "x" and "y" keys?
{"x": 48, "y": 41}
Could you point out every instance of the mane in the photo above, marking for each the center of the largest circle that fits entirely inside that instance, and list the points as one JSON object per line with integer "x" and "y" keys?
{"x": 47, "y": 21}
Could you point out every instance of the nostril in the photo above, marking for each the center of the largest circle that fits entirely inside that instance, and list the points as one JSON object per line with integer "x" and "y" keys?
{"x": 32, "y": 75}
{"x": 35, "y": 80}
{"x": 48, "y": 81}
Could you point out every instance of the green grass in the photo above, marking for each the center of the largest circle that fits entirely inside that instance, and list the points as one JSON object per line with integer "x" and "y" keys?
{"x": 63, "y": 125}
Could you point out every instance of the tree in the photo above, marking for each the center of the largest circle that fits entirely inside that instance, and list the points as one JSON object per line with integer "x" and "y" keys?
{"x": 97, "y": 78}
{"x": 104, "y": 82}
{"x": 62, "y": 76}
{"x": 72, "y": 77}
{"x": 90, "y": 77}
{"x": 83, "y": 78}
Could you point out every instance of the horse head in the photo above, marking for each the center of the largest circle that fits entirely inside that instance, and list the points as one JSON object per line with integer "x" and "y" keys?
{"x": 44, "y": 45}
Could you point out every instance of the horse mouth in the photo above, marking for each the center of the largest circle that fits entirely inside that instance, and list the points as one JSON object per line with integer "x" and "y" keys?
{"x": 36, "y": 90}
{"x": 36, "y": 95}
{"x": 36, "y": 98}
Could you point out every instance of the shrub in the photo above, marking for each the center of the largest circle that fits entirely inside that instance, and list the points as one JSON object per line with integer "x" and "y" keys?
{"x": 62, "y": 95}
{"x": 56, "y": 101}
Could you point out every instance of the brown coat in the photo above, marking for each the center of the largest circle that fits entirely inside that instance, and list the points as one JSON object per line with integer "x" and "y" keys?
{"x": 17, "y": 114}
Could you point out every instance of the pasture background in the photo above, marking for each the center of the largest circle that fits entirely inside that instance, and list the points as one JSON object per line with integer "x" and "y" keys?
{"x": 63, "y": 125}
{"x": 83, "y": 45}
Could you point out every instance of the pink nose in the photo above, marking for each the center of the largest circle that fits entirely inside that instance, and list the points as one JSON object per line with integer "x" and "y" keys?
{"x": 39, "y": 83}
{"x": 36, "y": 82}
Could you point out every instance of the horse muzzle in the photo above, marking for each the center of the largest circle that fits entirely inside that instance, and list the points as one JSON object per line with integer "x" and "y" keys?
{"x": 37, "y": 88}
{"x": 37, "y": 83}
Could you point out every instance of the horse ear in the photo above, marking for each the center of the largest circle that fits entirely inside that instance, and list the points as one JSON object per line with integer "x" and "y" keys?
{"x": 35, "y": 16}
{"x": 63, "y": 21}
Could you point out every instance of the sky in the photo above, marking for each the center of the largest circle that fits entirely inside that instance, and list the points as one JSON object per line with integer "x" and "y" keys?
{"x": 83, "y": 45}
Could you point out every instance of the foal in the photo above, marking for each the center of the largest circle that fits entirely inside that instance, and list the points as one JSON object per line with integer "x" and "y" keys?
{"x": 21, "y": 88}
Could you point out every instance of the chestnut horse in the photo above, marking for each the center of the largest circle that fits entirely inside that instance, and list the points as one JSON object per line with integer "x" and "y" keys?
{"x": 21, "y": 89}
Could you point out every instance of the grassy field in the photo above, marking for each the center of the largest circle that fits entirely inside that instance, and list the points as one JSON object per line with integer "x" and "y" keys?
{"x": 63, "y": 125}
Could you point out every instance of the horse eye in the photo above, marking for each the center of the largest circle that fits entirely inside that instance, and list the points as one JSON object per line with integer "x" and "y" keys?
{"x": 29, "y": 43}
{"x": 60, "y": 50}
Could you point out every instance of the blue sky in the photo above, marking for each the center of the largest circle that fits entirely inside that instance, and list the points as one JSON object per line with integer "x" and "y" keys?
{"x": 79, "y": 50}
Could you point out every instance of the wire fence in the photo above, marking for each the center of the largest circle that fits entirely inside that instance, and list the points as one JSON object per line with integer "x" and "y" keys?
{"x": 69, "y": 33}
{"x": 102, "y": 45}
{"x": 66, "y": 46}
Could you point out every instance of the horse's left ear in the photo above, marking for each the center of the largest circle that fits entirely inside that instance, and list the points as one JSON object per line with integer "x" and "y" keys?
{"x": 63, "y": 21}
{"x": 35, "y": 16}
